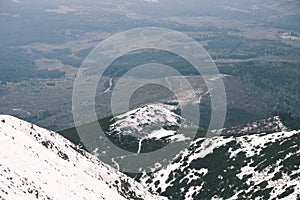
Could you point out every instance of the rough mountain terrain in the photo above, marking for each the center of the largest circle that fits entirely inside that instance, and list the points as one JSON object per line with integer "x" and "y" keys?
{"x": 39, "y": 164}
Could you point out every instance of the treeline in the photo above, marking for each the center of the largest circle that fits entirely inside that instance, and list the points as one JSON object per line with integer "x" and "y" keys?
{"x": 275, "y": 78}
{"x": 226, "y": 46}
{"x": 65, "y": 56}
{"x": 126, "y": 62}
{"x": 17, "y": 65}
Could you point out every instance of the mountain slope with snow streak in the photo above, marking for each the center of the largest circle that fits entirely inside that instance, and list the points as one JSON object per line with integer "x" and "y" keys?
{"x": 254, "y": 166}
{"x": 155, "y": 124}
{"x": 39, "y": 164}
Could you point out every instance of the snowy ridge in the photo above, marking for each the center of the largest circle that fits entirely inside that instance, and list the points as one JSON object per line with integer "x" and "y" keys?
{"x": 153, "y": 122}
{"x": 262, "y": 166}
{"x": 39, "y": 164}
{"x": 270, "y": 125}
{"x": 135, "y": 121}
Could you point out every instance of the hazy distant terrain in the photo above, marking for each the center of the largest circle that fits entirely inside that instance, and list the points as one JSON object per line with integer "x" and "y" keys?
{"x": 255, "y": 43}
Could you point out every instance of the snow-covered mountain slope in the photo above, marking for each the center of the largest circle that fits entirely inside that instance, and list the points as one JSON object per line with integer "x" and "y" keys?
{"x": 39, "y": 164}
{"x": 269, "y": 125}
{"x": 149, "y": 123}
{"x": 255, "y": 166}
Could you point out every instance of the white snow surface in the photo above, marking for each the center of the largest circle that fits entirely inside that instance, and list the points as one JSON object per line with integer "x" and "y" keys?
{"x": 147, "y": 122}
{"x": 146, "y": 115}
{"x": 36, "y": 163}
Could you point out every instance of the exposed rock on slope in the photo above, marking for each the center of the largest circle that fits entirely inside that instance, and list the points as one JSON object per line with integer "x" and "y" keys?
{"x": 150, "y": 125}
{"x": 37, "y": 163}
{"x": 270, "y": 125}
{"x": 263, "y": 166}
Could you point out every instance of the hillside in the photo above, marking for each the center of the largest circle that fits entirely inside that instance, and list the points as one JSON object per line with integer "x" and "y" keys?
{"x": 147, "y": 128}
{"x": 39, "y": 164}
{"x": 258, "y": 159}
{"x": 262, "y": 166}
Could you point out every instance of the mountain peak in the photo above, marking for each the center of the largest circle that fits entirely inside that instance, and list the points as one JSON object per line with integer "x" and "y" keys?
{"x": 156, "y": 123}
